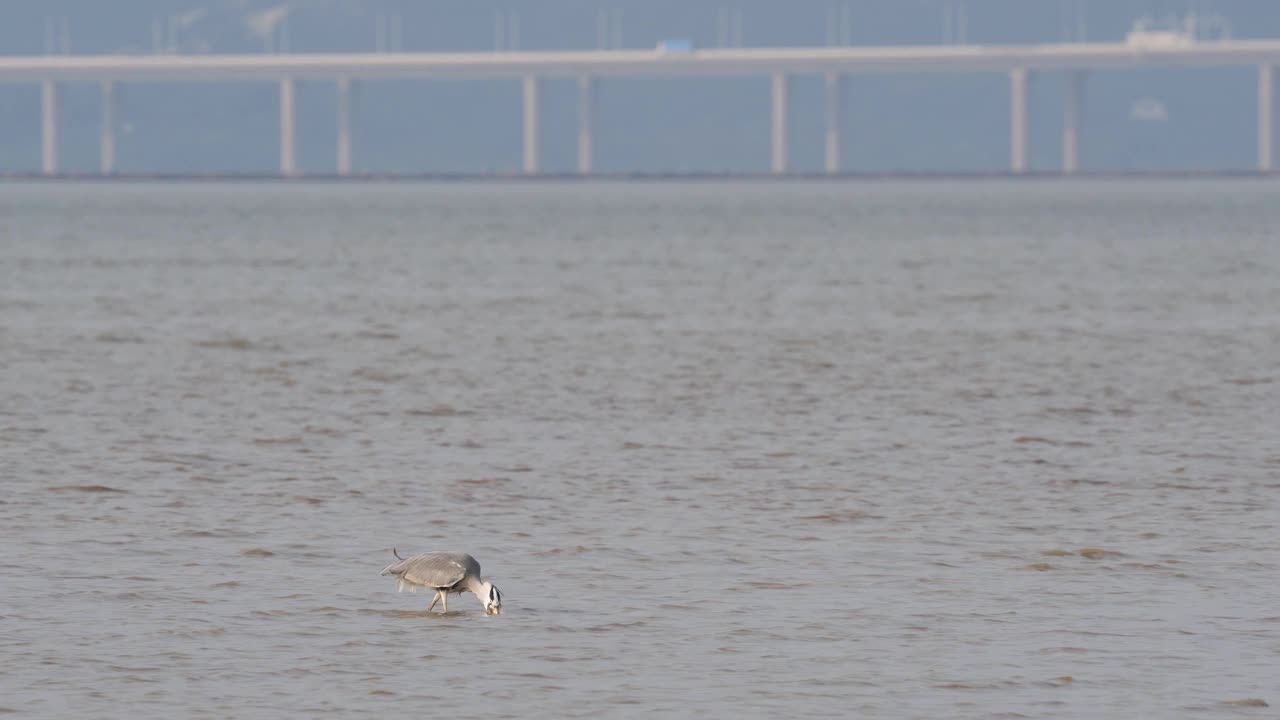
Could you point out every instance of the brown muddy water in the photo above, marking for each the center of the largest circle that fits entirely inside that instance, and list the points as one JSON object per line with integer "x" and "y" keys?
{"x": 739, "y": 450}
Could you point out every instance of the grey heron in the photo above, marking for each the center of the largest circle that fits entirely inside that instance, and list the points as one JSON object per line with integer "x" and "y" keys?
{"x": 444, "y": 572}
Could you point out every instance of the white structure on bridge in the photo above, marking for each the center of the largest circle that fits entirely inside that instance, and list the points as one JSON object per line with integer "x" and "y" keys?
{"x": 1019, "y": 62}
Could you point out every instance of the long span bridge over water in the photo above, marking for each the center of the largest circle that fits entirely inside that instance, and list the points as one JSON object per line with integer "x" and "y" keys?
{"x": 1019, "y": 62}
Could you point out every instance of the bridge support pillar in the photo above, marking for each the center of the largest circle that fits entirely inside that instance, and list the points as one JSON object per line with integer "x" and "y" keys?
{"x": 1018, "y": 120}
{"x": 530, "y": 124}
{"x": 586, "y": 123}
{"x": 344, "y": 126}
{"x": 1073, "y": 109}
{"x": 1266, "y": 117}
{"x": 49, "y": 127}
{"x": 288, "y": 164}
{"x": 780, "y": 98}
{"x": 107, "y": 134}
{"x": 834, "y": 116}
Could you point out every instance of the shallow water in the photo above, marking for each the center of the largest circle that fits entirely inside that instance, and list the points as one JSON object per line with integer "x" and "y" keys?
{"x": 794, "y": 450}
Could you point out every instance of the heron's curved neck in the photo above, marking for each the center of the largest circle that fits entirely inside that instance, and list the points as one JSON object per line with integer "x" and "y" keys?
{"x": 475, "y": 585}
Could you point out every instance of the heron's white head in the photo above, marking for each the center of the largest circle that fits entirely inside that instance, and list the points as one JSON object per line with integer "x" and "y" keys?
{"x": 492, "y": 598}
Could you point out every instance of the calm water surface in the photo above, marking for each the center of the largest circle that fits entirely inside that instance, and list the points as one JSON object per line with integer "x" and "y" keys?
{"x": 802, "y": 450}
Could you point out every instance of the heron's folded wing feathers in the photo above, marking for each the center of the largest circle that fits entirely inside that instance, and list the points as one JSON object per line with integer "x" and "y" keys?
{"x": 431, "y": 569}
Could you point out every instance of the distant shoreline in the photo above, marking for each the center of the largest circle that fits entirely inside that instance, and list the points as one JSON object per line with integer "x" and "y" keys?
{"x": 623, "y": 177}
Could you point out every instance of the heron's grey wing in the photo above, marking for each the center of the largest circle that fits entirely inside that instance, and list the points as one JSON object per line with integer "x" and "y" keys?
{"x": 435, "y": 570}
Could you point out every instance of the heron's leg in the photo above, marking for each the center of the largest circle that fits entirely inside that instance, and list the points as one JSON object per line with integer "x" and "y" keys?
{"x": 433, "y": 601}
{"x": 444, "y": 599}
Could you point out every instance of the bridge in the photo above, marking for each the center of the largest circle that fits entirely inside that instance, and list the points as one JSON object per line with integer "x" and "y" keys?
{"x": 1018, "y": 62}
